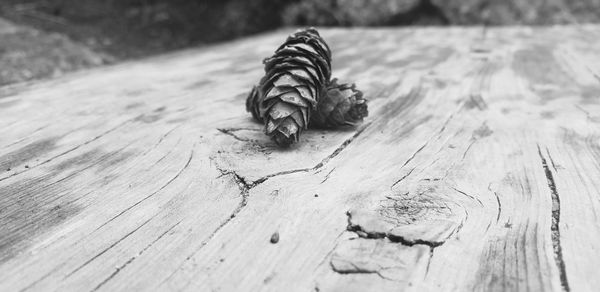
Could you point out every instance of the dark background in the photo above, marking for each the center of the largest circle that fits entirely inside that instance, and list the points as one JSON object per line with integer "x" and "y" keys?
{"x": 114, "y": 30}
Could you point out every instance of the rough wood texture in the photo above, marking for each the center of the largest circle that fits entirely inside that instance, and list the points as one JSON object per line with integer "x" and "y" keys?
{"x": 477, "y": 170}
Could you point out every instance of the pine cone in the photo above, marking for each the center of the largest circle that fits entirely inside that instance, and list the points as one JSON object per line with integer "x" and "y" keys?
{"x": 340, "y": 105}
{"x": 290, "y": 90}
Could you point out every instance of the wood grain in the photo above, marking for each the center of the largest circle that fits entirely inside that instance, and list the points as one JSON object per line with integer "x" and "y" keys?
{"x": 477, "y": 170}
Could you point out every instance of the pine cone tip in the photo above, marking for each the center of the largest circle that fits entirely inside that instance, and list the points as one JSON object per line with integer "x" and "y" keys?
{"x": 283, "y": 141}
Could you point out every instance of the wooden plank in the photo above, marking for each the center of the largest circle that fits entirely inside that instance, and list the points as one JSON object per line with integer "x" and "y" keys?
{"x": 477, "y": 170}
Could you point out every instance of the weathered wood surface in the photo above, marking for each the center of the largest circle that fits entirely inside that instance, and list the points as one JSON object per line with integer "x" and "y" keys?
{"x": 478, "y": 169}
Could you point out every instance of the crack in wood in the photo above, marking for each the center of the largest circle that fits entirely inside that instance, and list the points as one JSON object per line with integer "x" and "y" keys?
{"x": 165, "y": 135}
{"x": 428, "y": 262}
{"x": 319, "y": 165}
{"x": 231, "y": 132}
{"x": 468, "y": 196}
{"x": 327, "y": 176}
{"x": 401, "y": 179}
{"x": 551, "y": 160}
{"x": 439, "y": 133}
{"x": 360, "y": 270}
{"x": 171, "y": 149}
{"x": 467, "y": 150}
{"x": 460, "y": 226}
{"x": 361, "y": 232}
{"x": 107, "y": 249}
{"x": 447, "y": 121}
{"x": 414, "y": 154}
{"x": 131, "y": 259}
{"x": 555, "y": 227}
{"x": 499, "y": 204}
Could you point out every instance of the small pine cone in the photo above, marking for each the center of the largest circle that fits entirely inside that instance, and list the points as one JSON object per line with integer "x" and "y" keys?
{"x": 288, "y": 94}
{"x": 340, "y": 105}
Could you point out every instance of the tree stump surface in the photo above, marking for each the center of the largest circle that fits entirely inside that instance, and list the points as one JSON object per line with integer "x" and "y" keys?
{"x": 477, "y": 169}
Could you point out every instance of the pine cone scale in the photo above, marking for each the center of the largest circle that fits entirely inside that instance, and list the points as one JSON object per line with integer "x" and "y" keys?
{"x": 305, "y": 91}
{"x": 297, "y": 69}
{"x": 296, "y": 57}
{"x": 322, "y": 63}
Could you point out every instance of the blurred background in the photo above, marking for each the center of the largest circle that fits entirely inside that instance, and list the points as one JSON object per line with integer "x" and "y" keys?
{"x": 42, "y": 38}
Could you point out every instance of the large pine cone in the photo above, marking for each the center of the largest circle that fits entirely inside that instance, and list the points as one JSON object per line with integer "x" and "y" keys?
{"x": 340, "y": 105}
{"x": 291, "y": 88}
